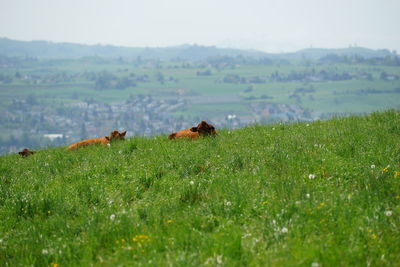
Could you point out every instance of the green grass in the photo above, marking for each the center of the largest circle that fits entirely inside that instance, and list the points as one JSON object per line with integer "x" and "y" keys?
{"x": 242, "y": 198}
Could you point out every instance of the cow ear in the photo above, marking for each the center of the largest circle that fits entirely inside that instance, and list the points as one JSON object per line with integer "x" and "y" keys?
{"x": 193, "y": 129}
{"x": 123, "y": 134}
{"x": 108, "y": 138}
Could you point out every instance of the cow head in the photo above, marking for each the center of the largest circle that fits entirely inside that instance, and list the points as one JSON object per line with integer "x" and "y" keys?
{"x": 26, "y": 152}
{"x": 204, "y": 129}
{"x": 115, "y": 135}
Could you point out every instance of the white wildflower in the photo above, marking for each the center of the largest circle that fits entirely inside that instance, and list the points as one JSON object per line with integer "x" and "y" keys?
{"x": 284, "y": 230}
{"x": 45, "y": 251}
{"x": 315, "y": 264}
{"x": 112, "y": 217}
{"x": 227, "y": 203}
{"x": 209, "y": 260}
{"x": 246, "y": 235}
{"x": 191, "y": 183}
{"x": 307, "y": 195}
{"x": 388, "y": 213}
{"x": 311, "y": 176}
{"x": 373, "y": 166}
{"x": 108, "y": 144}
{"x": 307, "y": 124}
{"x": 219, "y": 259}
{"x": 120, "y": 152}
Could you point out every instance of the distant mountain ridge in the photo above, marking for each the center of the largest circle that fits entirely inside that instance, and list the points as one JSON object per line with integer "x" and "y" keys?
{"x": 52, "y": 50}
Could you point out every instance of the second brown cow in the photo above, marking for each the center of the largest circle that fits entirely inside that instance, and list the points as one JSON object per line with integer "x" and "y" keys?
{"x": 202, "y": 129}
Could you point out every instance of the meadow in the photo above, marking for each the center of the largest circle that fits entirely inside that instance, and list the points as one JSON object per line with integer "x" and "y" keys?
{"x": 325, "y": 193}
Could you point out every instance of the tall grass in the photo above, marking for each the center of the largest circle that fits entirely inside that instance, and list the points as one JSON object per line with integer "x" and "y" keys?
{"x": 324, "y": 193}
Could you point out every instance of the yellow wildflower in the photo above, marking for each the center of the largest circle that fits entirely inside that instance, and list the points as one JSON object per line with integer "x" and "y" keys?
{"x": 385, "y": 169}
{"x": 265, "y": 202}
{"x": 140, "y": 238}
{"x": 169, "y": 221}
{"x": 396, "y": 174}
{"x": 55, "y": 265}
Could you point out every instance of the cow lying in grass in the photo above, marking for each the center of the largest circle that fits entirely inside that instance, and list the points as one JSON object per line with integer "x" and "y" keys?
{"x": 26, "y": 152}
{"x": 202, "y": 129}
{"x": 114, "y": 135}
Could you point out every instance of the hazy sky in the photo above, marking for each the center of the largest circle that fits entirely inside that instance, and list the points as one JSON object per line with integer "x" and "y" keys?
{"x": 269, "y": 25}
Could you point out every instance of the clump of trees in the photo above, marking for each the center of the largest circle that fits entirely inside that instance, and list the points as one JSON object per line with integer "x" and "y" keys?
{"x": 204, "y": 73}
{"x": 107, "y": 80}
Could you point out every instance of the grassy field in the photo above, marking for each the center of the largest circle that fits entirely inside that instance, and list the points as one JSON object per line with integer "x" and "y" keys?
{"x": 318, "y": 194}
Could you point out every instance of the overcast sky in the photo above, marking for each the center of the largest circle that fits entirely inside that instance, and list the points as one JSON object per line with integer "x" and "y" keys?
{"x": 268, "y": 25}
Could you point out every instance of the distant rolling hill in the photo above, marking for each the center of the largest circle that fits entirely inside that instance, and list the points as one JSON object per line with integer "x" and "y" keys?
{"x": 51, "y": 50}
{"x": 318, "y": 53}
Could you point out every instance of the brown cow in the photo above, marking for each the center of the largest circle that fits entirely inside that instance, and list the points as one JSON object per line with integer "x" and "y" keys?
{"x": 114, "y": 135}
{"x": 202, "y": 129}
{"x": 26, "y": 152}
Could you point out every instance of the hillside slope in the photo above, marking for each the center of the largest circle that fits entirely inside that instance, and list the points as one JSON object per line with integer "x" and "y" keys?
{"x": 319, "y": 194}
